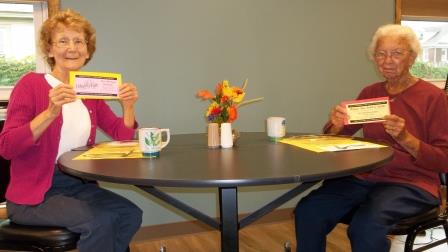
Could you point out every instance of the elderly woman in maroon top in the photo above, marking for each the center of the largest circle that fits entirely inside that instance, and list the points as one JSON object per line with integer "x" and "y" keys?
{"x": 44, "y": 120}
{"x": 408, "y": 185}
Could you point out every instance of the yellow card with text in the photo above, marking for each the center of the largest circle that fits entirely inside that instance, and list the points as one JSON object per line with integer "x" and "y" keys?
{"x": 95, "y": 85}
{"x": 367, "y": 111}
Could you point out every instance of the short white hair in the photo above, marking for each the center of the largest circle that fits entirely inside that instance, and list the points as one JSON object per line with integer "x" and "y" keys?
{"x": 394, "y": 30}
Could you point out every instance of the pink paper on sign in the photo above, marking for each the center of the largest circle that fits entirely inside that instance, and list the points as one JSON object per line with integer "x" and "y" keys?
{"x": 97, "y": 86}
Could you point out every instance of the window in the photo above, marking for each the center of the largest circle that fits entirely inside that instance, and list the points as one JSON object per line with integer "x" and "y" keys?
{"x": 19, "y": 21}
{"x": 433, "y": 35}
{"x": 429, "y": 20}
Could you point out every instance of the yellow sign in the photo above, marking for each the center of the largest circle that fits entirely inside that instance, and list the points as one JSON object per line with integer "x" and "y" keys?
{"x": 95, "y": 85}
{"x": 367, "y": 111}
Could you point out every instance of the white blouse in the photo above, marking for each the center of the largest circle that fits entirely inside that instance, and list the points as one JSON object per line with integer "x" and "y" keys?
{"x": 76, "y": 124}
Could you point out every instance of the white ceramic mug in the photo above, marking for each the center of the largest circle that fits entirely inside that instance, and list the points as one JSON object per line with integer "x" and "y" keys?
{"x": 150, "y": 141}
{"x": 276, "y": 127}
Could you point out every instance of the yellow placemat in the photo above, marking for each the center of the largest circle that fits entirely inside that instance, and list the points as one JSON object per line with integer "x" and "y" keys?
{"x": 323, "y": 143}
{"x": 112, "y": 150}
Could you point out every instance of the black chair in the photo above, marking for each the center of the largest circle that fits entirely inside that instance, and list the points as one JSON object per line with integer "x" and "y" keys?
{"x": 412, "y": 226}
{"x": 435, "y": 217}
{"x": 31, "y": 238}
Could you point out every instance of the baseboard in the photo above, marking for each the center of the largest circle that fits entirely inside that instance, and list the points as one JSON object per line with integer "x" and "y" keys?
{"x": 163, "y": 231}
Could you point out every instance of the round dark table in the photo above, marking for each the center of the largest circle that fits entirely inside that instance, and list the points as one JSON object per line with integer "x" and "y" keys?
{"x": 254, "y": 160}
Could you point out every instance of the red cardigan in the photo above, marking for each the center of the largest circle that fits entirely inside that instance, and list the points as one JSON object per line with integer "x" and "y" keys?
{"x": 425, "y": 110}
{"x": 32, "y": 163}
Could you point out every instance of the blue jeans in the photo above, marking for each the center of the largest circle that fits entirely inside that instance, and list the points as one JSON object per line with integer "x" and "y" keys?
{"x": 105, "y": 220}
{"x": 373, "y": 208}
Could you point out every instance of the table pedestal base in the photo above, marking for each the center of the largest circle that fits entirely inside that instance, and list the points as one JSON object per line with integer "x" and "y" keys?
{"x": 229, "y": 224}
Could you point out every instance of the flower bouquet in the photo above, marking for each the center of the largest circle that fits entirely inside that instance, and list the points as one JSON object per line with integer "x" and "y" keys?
{"x": 225, "y": 102}
{"x": 222, "y": 111}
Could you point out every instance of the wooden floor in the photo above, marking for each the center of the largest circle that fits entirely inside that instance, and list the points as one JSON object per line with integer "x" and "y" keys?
{"x": 268, "y": 237}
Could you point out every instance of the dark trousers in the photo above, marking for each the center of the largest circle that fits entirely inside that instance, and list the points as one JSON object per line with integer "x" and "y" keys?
{"x": 373, "y": 208}
{"x": 105, "y": 220}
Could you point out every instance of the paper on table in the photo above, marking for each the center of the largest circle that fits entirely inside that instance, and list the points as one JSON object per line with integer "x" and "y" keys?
{"x": 323, "y": 143}
{"x": 112, "y": 150}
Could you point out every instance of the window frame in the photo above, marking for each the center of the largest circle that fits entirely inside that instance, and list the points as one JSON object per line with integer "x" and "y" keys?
{"x": 421, "y": 10}
{"x": 53, "y": 5}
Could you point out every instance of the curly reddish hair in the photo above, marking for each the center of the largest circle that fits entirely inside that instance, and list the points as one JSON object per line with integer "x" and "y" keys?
{"x": 66, "y": 19}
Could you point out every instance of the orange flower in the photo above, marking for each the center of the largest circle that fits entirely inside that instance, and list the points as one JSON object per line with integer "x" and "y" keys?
{"x": 218, "y": 89}
{"x": 205, "y": 94}
{"x": 233, "y": 113}
{"x": 224, "y": 98}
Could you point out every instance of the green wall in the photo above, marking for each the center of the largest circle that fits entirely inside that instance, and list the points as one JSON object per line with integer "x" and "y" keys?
{"x": 303, "y": 56}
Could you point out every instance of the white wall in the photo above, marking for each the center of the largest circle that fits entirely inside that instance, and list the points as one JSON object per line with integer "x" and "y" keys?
{"x": 303, "y": 56}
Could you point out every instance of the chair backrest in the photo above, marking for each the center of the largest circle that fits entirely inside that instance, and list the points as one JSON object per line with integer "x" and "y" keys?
{"x": 443, "y": 177}
{"x": 443, "y": 194}
{"x": 4, "y": 178}
{"x": 4, "y": 172}
{"x": 446, "y": 84}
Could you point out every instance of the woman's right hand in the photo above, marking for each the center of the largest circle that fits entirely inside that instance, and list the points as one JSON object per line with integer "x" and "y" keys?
{"x": 337, "y": 116}
{"x": 58, "y": 96}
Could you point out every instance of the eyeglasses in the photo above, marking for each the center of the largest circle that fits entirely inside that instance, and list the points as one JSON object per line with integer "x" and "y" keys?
{"x": 395, "y": 54}
{"x": 65, "y": 43}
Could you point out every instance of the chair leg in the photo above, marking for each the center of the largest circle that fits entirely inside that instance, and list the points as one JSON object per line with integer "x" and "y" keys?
{"x": 445, "y": 227}
{"x": 409, "y": 245}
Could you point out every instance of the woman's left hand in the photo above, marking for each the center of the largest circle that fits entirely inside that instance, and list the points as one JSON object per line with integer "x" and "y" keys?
{"x": 127, "y": 95}
{"x": 395, "y": 126}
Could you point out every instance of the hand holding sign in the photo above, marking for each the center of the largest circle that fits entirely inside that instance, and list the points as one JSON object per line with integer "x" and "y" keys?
{"x": 128, "y": 94}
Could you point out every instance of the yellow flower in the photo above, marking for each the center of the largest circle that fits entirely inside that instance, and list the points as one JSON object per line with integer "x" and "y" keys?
{"x": 236, "y": 94}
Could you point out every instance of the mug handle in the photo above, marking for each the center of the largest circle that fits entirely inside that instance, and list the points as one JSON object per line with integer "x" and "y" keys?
{"x": 164, "y": 144}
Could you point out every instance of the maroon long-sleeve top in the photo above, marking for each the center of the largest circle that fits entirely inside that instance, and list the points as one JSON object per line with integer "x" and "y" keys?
{"x": 425, "y": 110}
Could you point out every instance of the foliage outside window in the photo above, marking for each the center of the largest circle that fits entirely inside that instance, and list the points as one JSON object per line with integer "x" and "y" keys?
{"x": 428, "y": 71}
{"x": 432, "y": 63}
{"x": 12, "y": 69}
